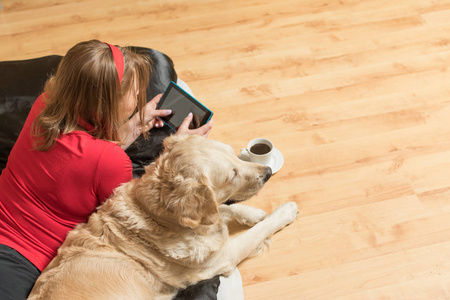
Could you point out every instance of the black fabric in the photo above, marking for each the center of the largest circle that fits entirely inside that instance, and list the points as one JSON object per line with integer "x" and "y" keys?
{"x": 17, "y": 274}
{"x": 143, "y": 151}
{"x": 21, "y": 82}
{"x": 204, "y": 290}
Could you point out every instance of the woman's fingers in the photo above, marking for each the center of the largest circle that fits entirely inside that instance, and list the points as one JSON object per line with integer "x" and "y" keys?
{"x": 202, "y": 131}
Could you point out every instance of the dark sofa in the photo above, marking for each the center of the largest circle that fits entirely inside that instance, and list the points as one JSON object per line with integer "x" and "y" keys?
{"x": 21, "y": 82}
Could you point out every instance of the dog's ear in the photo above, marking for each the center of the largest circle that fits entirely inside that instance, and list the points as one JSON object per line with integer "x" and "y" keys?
{"x": 203, "y": 210}
{"x": 197, "y": 204}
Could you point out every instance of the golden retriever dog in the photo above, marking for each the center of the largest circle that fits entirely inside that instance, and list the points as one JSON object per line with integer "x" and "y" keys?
{"x": 166, "y": 230}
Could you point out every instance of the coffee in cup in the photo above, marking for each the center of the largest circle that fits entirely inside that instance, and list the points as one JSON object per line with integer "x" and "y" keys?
{"x": 259, "y": 151}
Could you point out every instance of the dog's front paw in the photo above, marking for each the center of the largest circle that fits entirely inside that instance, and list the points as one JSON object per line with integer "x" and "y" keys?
{"x": 287, "y": 213}
{"x": 254, "y": 216}
{"x": 247, "y": 215}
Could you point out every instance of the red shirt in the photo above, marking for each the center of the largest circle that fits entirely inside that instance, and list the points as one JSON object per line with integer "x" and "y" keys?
{"x": 44, "y": 194}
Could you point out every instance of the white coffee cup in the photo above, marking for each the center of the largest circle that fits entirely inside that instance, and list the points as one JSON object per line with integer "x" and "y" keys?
{"x": 258, "y": 151}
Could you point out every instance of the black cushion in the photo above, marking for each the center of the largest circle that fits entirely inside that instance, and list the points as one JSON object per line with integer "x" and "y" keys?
{"x": 204, "y": 290}
{"x": 20, "y": 84}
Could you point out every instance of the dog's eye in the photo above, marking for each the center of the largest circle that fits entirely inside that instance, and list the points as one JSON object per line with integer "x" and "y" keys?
{"x": 234, "y": 174}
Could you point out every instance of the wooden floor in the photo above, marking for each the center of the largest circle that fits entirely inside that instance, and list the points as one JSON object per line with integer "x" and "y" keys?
{"x": 354, "y": 93}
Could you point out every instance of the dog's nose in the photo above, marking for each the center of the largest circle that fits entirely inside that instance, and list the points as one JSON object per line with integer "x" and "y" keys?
{"x": 268, "y": 174}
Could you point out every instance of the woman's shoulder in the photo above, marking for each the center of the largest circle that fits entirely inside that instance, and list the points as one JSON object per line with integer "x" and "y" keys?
{"x": 81, "y": 143}
{"x": 91, "y": 142}
{"x": 105, "y": 156}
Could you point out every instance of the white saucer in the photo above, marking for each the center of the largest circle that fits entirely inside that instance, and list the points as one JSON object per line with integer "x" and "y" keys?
{"x": 276, "y": 161}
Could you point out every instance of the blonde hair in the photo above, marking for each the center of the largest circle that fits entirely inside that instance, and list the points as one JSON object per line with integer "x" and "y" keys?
{"x": 86, "y": 87}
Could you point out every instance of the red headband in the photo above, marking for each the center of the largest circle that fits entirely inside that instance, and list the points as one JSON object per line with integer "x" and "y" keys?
{"x": 118, "y": 60}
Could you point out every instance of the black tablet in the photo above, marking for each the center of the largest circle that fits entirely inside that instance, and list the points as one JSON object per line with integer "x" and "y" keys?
{"x": 181, "y": 104}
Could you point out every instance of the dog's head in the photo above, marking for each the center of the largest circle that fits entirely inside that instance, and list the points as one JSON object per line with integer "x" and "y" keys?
{"x": 194, "y": 175}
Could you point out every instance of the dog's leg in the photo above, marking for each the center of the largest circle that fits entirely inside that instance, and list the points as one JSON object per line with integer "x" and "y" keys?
{"x": 242, "y": 214}
{"x": 243, "y": 246}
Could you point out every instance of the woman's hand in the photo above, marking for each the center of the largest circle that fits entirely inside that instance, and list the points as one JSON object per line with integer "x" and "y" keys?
{"x": 151, "y": 114}
{"x": 202, "y": 131}
{"x": 132, "y": 129}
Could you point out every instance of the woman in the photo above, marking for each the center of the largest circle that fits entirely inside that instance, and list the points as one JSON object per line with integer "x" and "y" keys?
{"x": 69, "y": 156}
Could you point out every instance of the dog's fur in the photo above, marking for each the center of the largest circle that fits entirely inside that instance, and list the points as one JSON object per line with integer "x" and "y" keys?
{"x": 166, "y": 230}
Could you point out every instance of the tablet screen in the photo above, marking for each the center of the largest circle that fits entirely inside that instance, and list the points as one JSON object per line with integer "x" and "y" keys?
{"x": 181, "y": 104}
